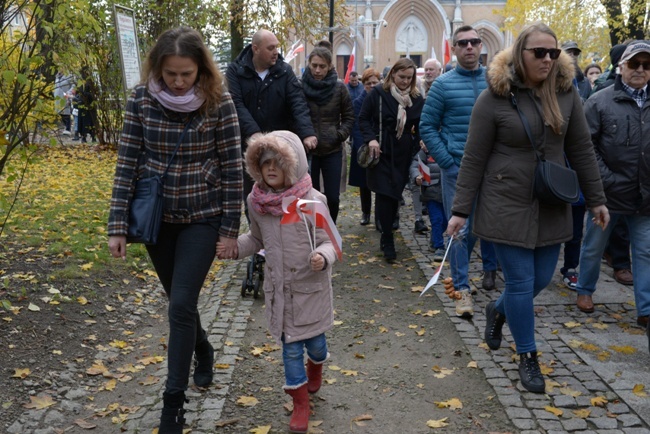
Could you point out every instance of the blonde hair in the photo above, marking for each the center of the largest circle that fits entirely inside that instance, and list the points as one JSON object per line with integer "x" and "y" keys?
{"x": 547, "y": 88}
{"x": 401, "y": 64}
{"x": 187, "y": 42}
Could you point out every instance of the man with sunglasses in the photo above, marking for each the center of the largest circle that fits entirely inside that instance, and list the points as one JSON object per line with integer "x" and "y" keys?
{"x": 619, "y": 120}
{"x": 443, "y": 128}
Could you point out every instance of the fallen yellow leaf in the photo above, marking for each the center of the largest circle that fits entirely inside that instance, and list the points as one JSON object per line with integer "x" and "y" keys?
{"x": 452, "y": 404}
{"x": 149, "y": 381}
{"x": 247, "y": 401}
{"x": 87, "y": 266}
{"x": 554, "y": 410}
{"x": 569, "y": 392}
{"x": 21, "y": 373}
{"x": 440, "y": 423}
{"x": 639, "y": 390}
{"x": 222, "y": 366}
{"x": 82, "y": 300}
{"x": 264, "y": 429}
{"x": 572, "y": 324}
{"x": 623, "y": 349}
{"x": 39, "y": 402}
{"x": 349, "y": 373}
{"x": 599, "y": 401}
{"x": 583, "y": 413}
{"x": 110, "y": 384}
{"x": 599, "y": 326}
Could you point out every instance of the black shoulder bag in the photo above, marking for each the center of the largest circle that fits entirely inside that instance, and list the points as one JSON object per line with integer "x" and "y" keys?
{"x": 554, "y": 184}
{"x": 146, "y": 207}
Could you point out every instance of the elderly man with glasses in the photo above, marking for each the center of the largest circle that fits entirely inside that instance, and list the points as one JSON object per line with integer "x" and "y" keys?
{"x": 619, "y": 120}
{"x": 443, "y": 128}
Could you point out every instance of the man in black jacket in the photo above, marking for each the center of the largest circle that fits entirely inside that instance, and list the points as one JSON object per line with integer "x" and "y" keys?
{"x": 267, "y": 94}
{"x": 619, "y": 120}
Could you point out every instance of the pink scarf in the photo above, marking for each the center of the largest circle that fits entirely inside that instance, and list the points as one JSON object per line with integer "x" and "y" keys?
{"x": 182, "y": 104}
{"x": 270, "y": 202}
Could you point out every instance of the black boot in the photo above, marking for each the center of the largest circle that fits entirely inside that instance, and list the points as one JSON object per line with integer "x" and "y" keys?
{"x": 494, "y": 324}
{"x": 203, "y": 364}
{"x": 171, "y": 419}
{"x": 388, "y": 247}
{"x": 365, "y": 219}
{"x": 530, "y": 374}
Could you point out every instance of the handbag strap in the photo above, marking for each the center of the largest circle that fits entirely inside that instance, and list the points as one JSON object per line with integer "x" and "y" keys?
{"x": 524, "y": 121}
{"x": 178, "y": 145}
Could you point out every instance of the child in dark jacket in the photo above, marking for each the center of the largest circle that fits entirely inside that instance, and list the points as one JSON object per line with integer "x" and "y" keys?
{"x": 431, "y": 197}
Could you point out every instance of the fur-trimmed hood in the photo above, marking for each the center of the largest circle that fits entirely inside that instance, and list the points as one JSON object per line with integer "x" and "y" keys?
{"x": 290, "y": 154}
{"x": 501, "y": 75}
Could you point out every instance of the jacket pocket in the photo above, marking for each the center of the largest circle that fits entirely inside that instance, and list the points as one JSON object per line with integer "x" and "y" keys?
{"x": 308, "y": 302}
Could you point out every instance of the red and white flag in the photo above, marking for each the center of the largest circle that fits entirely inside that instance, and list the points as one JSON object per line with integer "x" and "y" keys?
{"x": 424, "y": 170}
{"x": 317, "y": 213}
{"x": 446, "y": 50}
{"x": 436, "y": 275}
{"x": 296, "y": 48}
{"x": 350, "y": 65}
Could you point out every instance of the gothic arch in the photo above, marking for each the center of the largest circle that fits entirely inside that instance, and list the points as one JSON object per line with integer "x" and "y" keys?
{"x": 493, "y": 39}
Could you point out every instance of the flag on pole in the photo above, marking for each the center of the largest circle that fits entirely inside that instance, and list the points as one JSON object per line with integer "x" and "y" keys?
{"x": 424, "y": 170}
{"x": 317, "y": 213}
{"x": 433, "y": 53}
{"x": 350, "y": 65}
{"x": 436, "y": 275}
{"x": 446, "y": 50}
{"x": 296, "y": 48}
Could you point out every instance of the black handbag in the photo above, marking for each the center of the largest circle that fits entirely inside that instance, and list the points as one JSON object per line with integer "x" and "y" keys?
{"x": 146, "y": 207}
{"x": 553, "y": 184}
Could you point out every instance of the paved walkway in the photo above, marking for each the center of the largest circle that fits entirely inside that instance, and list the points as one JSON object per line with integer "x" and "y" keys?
{"x": 592, "y": 363}
{"x": 596, "y": 365}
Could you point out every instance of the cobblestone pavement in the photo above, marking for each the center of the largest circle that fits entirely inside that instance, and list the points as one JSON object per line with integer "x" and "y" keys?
{"x": 585, "y": 358}
{"x": 596, "y": 365}
{"x": 592, "y": 363}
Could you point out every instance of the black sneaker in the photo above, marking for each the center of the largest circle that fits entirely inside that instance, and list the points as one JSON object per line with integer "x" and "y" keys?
{"x": 530, "y": 374}
{"x": 420, "y": 227}
{"x": 494, "y": 324}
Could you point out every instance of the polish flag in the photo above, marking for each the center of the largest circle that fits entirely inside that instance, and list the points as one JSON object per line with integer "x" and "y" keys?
{"x": 436, "y": 275}
{"x": 424, "y": 170}
{"x": 446, "y": 50}
{"x": 350, "y": 65}
{"x": 318, "y": 215}
{"x": 296, "y": 48}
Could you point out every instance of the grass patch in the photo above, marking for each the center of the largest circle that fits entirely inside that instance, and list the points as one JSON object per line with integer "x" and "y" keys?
{"x": 61, "y": 214}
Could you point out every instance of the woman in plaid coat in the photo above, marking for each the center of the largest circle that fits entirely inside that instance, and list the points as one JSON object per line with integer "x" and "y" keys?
{"x": 202, "y": 192}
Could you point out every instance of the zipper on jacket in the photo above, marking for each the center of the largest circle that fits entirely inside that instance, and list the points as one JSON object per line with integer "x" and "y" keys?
{"x": 628, "y": 130}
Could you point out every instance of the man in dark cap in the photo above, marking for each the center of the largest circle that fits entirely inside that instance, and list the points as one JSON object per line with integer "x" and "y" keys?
{"x": 608, "y": 77}
{"x": 579, "y": 80}
{"x": 619, "y": 122}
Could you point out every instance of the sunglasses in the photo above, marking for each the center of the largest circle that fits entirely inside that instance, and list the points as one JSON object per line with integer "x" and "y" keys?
{"x": 541, "y": 53}
{"x": 465, "y": 42}
{"x": 634, "y": 64}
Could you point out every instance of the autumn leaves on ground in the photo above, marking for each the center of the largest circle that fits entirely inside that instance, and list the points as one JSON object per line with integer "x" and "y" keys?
{"x": 73, "y": 321}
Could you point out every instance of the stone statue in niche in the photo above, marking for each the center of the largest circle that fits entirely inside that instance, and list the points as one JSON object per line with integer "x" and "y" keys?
{"x": 411, "y": 38}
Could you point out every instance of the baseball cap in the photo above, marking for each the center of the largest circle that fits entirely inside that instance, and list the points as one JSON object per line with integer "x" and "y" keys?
{"x": 571, "y": 45}
{"x": 633, "y": 49}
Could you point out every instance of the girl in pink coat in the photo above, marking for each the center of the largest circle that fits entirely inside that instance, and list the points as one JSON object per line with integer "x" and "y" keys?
{"x": 297, "y": 278}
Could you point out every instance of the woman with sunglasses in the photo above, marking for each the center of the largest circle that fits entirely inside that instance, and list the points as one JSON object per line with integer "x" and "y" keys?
{"x": 497, "y": 173}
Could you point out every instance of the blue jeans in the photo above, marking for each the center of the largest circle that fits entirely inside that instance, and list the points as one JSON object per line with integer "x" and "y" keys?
{"x": 331, "y": 168}
{"x": 293, "y": 356}
{"x": 594, "y": 244}
{"x": 438, "y": 221}
{"x": 182, "y": 258}
{"x": 463, "y": 244}
{"x": 526, "y": 272}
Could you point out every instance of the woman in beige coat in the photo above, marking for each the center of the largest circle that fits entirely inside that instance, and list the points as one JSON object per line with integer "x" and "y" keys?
{"x": 297, "y": 278}
{"x": 497, "y": 172}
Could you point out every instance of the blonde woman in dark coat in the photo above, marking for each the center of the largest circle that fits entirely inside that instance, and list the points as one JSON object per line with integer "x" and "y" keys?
{"x": 497, "y": 173}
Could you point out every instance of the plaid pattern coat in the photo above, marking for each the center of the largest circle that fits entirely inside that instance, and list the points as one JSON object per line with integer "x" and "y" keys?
{"x": 204, "y": 179}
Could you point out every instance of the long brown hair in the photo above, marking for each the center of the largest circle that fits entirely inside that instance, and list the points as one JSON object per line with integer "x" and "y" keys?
{"x": 403, "y": 63}
{"x": 187, "y": 42}
{"x": 547, "y": 89}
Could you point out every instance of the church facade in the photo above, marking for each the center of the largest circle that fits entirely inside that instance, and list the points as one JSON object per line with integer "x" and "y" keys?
{"x": 380, "y": 32}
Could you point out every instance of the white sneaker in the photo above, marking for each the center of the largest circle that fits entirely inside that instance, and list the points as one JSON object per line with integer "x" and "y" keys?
{"x": 464, "y": 308}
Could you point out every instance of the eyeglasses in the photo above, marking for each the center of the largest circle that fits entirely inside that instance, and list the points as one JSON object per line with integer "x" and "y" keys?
{"x": 541, "y": 53}
{"x": 465, "y": 42}
{"x": 634, "y": 64}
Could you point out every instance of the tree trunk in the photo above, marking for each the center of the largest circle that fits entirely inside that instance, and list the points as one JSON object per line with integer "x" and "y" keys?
{"x": 236, "y": 29}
